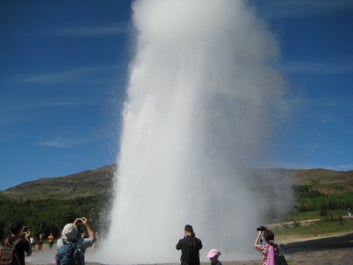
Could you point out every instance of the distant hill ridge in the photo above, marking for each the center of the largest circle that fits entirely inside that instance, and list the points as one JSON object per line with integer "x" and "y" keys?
{"x": 86, "y": 183}
{"x": 100, "y": 181}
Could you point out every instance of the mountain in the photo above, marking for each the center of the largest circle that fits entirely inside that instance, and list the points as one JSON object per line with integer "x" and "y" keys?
{"x": 324, "y": 180}
{"x": 86, "y": 183}
{"x": 100, "y": 181}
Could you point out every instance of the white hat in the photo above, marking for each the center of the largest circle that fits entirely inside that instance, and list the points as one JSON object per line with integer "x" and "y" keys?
{"x": 70, "y": 231}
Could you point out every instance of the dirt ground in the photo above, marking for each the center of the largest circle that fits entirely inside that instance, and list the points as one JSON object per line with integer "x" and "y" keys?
{"x": 328, "y": 250}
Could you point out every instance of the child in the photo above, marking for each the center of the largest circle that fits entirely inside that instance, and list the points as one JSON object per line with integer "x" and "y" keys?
{"x": 213, "y": 255}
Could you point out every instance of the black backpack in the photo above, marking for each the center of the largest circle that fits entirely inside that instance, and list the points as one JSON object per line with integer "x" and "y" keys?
{"x": 279, "y": 258}
{"x": 8, "y": 256}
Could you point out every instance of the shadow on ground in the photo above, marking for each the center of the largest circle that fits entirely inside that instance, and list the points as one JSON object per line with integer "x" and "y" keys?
{"x": 345, "y": 241}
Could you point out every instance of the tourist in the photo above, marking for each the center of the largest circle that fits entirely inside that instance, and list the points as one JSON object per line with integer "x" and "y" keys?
{"x": 40, "y": 241}
{"x": 213, "y": 255}
{"x": 20, "y": 238}
{"x": 33, "y": 243}
{"x": 51, "y": 240}
{"x": 70, "y": 234}
{"x": 190, "y": 246}
{"x": 269, "y": 249}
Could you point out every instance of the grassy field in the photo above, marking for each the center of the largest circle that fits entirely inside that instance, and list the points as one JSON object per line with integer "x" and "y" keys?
{"x": 316, "y": 227}
{"x": 336, "y": 214}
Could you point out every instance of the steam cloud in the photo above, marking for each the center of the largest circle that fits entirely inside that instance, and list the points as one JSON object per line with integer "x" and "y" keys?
{"x": 203, "y": 89}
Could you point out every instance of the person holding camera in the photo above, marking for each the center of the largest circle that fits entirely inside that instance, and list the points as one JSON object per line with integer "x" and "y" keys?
{"x": 269, "y": 249}
{"x": 20, "y": 239}
{"x": 190, "y": 246}
{"x": 70, "y": 235}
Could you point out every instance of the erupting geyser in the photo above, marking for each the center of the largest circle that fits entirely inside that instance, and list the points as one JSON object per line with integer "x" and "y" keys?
{"x": 201, "y": 96}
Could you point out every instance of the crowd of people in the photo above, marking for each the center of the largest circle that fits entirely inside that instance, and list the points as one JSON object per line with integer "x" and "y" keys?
{"x": 190, "y": 246}
{"x": 72, "y": 244}
{"x": 23, "y": 243}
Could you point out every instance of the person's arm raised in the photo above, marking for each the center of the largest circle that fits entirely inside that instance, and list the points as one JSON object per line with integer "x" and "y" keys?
{"x": 91, "y": 233}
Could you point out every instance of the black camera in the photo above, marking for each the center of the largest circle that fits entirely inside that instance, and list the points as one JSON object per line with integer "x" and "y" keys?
{"x": 261, "y": 228}
{"x": 25, "y": 228}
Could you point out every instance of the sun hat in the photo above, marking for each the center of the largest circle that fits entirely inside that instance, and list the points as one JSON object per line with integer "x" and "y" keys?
{"x": 70, "y": 231}
{"x": 212, "y": 253}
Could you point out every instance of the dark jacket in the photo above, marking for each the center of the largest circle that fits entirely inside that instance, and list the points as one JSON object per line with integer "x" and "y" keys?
{"x": 22, "y": 247}
{"x": 190, "y": 247}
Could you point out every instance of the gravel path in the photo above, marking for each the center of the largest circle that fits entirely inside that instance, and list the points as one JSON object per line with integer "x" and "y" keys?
{"x": 333, "y": 250}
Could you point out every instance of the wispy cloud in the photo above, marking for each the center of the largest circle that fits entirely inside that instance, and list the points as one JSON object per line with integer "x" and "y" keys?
{"x": 90, "y": 31}
{"x": 326, "y": 68}
{"x": 60, "y": 142}
{"x": 55, "y": 142}
{"x": 14, "y": 112}
{"x": 21, "y": 106}
{"x": 327, "y": 103}
{"x": 294, "y": 8}
{"x": 76, "y": 75}
{"x": 294, "y": 165}
{"x": 342, "y": 167}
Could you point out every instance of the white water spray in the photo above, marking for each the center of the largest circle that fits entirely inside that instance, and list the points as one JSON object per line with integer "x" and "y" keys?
{"x": 201, "y": 92}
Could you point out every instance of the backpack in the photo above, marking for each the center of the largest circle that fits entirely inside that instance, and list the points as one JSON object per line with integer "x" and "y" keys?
{"x": 8, "y": 256}
{"x": 279, "y": 258}
{"x": 69, "y": 254}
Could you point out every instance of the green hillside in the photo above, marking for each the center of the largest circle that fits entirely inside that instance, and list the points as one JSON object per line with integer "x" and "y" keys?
{"x": 100, "y": 181}
{"x": 83, "y": 184}
{"x": 46, "y": 204}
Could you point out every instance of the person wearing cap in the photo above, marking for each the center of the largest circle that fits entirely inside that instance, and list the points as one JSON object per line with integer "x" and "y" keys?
{"x": 70, "y": 233}
{"x": 20, "y": 238}
{"x": 190, "y": 246}
{"x": 213, "y": 255}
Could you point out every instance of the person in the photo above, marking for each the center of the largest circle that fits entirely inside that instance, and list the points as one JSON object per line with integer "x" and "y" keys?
{"x": 70, "y": 233}
{"x": 20, "y": 236}
{"x": 40, "y": 241}
{"x": 269, "y": 249}
{"x": 33, "y": 243}
{"x": 349, "y": 212}
{"x": 51, "y": 240}
{"x": 213, "y": 255}
{"x": 190, "y": 246}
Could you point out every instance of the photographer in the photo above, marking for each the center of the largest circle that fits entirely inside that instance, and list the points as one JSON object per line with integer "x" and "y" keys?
{"x": 190, "y": 246}
{"x": 70, "y": 235}
{"x": 269, "y": 249}
{"x": 20, "y": 238}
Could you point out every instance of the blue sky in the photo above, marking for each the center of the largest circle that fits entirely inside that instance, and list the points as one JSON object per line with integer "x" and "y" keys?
{"x": 63, "y": 72}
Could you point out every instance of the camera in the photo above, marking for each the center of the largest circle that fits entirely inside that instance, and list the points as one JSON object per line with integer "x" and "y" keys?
{"x": 79, "y": 219}
{"x": 261, "y": 228}
{"x": 25, "y": 228}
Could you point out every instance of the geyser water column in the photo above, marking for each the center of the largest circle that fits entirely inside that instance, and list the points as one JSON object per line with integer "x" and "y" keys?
{"x": 202, "y": 89}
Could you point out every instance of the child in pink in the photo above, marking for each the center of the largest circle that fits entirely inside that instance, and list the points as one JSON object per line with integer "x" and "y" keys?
{"x": 213, "y": 255}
